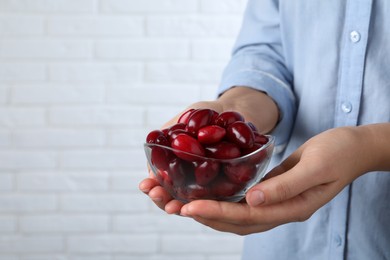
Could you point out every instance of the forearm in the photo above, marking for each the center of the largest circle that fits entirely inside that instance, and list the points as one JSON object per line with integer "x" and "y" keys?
{"x": 377, "y": 140}
{"x": 256, "y": 106}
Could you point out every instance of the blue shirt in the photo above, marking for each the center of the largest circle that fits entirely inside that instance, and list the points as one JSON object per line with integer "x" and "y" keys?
{"x": 326, "y": 64}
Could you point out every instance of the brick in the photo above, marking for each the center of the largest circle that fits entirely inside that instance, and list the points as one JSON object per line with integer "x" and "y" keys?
{"x": 31, "y": 244}
{"x": 59, "y": 182}
{"x": 104, "y": 159}
{"x": 208, "y": 92}
{"x": 127, "y": 181}
{"x": 201, "y": 244}
{"x": 27, "y": 203}
{"x": 129, "y": 137}
{"x": 19, "y": 116}
{"x": 187, "y": 72}
{"x": 46, "y": 49}
{"x": 9, "y": 257}
{"x": 64, "y": 223}
{"x": 223, "y": 6}
{"x": 96, "y": 26}
{"x": 7, "y": 224}
{"x": 113, "y": 244}
{"x": 225, "y": 257}
{"x": 16, "y": 71}
{"x": 97, "y": 72}
{"x": 158, "y": 116}
{"x": 15, "y": 159}
{"x": 143, "y": 49}
{"x": 44, "y": 6}
{"x": 26, "y": 25}
{"x": 104, "y": 203}
{"x": 57, "y": 93}
{"x": 149, "y": 223}
{"x": 212, "y": 49}
{"x": 161, "y": 94}
{"x": 6, "y": 183}
{"x": 56, "y": 137}
{"x": 163, "y": 257}
{"x": 148, "y": 6}
{"x": 97, "y": 116}
{"x": 4, "y": 90}
{"x": 52, "y": 256}
{"x": 5, "y": 138}
{"x": 92, "y": 257}
{"x": 193, "y": 26}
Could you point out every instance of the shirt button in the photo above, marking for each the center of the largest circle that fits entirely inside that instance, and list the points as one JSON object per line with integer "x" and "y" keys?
{"x": 354, "y": 36}
{"x": 346, "y": 107}
{"x": 337, "y": 240}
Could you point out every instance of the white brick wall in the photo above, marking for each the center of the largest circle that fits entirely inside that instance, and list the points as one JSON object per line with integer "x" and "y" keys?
{"x": 81, "y": 84}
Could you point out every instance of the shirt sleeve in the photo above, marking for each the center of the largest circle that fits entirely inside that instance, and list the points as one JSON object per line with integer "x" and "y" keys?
{"x": 258, "y": 62}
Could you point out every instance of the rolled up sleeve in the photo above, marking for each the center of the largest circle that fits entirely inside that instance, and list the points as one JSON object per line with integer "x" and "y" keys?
{"x": 258, "y": 62}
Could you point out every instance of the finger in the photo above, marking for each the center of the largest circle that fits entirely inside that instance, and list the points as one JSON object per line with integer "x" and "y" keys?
{"x": 173, "y": 207}
{"x": 147, "y": 184}
{"x": 233, "y": 228}
{"x": 284, "y": 184}
{"x": 229, "y": 212}
{"x": 160, "y": 196}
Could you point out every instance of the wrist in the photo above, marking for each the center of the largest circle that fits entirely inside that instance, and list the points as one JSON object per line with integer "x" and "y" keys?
{"x": 256, "y": 106}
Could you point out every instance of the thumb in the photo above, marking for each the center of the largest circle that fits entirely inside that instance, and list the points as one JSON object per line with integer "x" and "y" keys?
{"x": 285, "y": 181}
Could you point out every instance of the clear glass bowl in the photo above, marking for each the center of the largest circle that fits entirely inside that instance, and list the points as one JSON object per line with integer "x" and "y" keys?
{"x": 207, "y": 178}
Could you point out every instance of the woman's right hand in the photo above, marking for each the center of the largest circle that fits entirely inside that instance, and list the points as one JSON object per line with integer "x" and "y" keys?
{"x": 255, "y": 106}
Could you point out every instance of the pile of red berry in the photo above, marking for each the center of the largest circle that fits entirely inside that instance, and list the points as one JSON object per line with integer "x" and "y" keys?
{"x": 202, "y": 156}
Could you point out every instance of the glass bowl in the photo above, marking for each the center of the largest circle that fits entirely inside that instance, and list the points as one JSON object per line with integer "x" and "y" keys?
{"x": 207, "y": 178}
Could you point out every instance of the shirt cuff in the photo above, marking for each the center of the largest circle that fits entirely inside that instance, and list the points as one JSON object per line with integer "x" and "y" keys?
{"x": 277, "y": 89}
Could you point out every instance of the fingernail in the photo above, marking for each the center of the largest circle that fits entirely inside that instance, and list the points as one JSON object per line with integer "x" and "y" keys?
{"x": 184, "y": 211}
{"x": 256, "y": 198}
{"x": 142, "y": 187}
{"x": 157, "y": 199}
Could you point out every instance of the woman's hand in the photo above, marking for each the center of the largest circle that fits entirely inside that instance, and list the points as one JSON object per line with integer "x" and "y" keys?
{"x": 255, "y": 106}
{"x": 293, "y": 191}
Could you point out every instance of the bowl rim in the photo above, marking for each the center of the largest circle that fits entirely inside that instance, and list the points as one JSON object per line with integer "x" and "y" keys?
{"x": 271, "y": 141}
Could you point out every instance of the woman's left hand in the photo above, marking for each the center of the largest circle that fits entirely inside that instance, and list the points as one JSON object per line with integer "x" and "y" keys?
{"x": 308, "y": 179}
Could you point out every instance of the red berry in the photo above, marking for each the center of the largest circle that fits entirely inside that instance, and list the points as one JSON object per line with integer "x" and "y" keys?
{"x": 223, "y": 188}
{"x": 157, "y": 137}
{"x": 260, "y": 139}
{"x": 211, "y": 134}
{"x": 241, "y": 134}
{"x": 206, "y": 171}
{"x": 257, "y": 157}
{"x": 198, "y": 119}
{"x": 223, "y": 150}
{"x": 177, "y": 171}
{"x": 184, "y": 117}
{"x": 226, "y": 118}
{"x": 240, "y": 173}
{"x": 160, "y": 157}
{"x": 189, "y": 145}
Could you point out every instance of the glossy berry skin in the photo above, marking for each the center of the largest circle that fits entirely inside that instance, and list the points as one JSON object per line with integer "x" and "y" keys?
{"x": 188, "y": 144}
{"x": 157, "y": 137}
{"x": 185, "y": 116}
{"x": 228, "y": 117}
{"x": 223, "y": 150}
{"x": 160, "y": 157}
{"x": 240, "y": 173}
{"x": 259, "y": 156}
{"x": 176, "y": 171}
{"x": 223, "y": 188}
{"x": 241, "y": 134}
{"x": 206, "y": 171}
{"x": 211, "y": 134}
{"x": 198, "y": 119}
{"x": 260, "y": 139}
